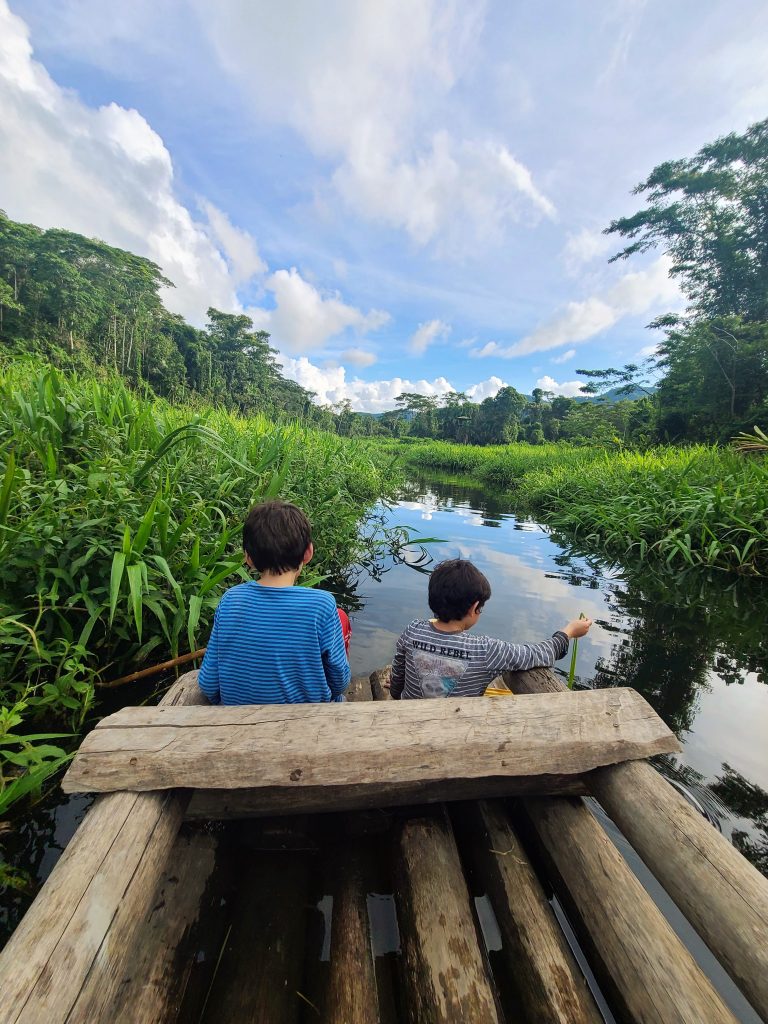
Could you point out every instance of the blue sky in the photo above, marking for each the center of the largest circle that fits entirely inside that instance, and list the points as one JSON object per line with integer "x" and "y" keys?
{"x": 409, "y": 195}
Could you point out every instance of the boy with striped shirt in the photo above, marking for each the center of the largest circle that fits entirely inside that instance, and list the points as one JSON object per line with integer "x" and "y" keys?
{"x": 434, "y": 658}
{"x": 274, "y": 642}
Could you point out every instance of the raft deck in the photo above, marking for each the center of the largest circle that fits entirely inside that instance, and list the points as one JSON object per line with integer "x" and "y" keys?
{"x": 148, "y": 917}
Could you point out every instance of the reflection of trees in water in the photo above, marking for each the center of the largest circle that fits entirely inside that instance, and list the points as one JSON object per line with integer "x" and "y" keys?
{"x": 32, "y": 844}
{"x": 448, "y": 494}
{"x": 749, "y": 802}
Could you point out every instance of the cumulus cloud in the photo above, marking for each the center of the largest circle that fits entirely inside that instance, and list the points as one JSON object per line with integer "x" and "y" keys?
{"x": 426, "y": 334}
{"x": 362, "y": 85}
{"x": 564, "y": 357}
{"x": 569, "y": 388}
{"x": 104, "y": 172}
{"x": 485, "y": 389}
{"x": 358, "y": 357}
{"x": 304, "y": 319}
{"x": 631, "y": 295}
{"x": 330, "y": 384}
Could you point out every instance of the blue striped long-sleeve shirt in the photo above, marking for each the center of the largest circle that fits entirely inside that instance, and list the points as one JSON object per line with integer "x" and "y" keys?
{"x": 275, "y": 645}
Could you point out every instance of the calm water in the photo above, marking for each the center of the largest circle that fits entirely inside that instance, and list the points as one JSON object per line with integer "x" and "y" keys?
{"x": 697, "y": 650}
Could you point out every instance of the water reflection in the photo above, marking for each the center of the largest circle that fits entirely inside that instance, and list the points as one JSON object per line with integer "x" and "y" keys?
{"x": 695, "y": 647}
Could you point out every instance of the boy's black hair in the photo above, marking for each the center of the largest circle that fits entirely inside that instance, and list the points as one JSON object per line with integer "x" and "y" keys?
{"x": 276, "y": 535}
{"x": 454, "y": 586}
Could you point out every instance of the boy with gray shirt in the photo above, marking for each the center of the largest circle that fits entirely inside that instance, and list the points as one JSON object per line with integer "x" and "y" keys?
{"x": 434, "y": 658}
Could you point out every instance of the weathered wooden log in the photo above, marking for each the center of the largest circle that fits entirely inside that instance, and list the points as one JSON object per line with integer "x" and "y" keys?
{"x": 723, "y": 896}
{"x": 64, "y": 961}
{"x": 643, "y": 967}
{"x": 543, "y": 971}
{"x": 259, "y": 977}
{"x": 380, "y": 683}
{"x": 154, "y": 975}
{"x": 352, "y": 994}
{"x": 444, "y": 969}
{"x": 338, "y": 745}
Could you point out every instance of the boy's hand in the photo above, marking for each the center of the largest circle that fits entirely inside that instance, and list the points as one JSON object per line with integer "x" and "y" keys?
{"x": 579, "y": 627}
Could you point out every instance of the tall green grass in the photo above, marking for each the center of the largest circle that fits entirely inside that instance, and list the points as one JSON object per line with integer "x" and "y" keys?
{"x": 120, "y": 525}
{"x": 682, "y": 507}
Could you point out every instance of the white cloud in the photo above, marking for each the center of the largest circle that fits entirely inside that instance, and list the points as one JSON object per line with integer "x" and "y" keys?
{"x": 105, "y": 173}
{"x": 363, "y": 85}
{"x": 426, "y": 334}
{"x": 631, "y": 295}
{"x": 237, "y": 245}
{"x": 585, "y": 247}
{"x": 485, "y": 389}
{"x": 488, "y": 349}
{"x": 649, "y": 350}
{"x": 569, "y": 388}
{"x": 303, "y": 319}
{"x": 358, "y": 357}
{"x": 331, "y": 385}
{"x": 564, "y": 357}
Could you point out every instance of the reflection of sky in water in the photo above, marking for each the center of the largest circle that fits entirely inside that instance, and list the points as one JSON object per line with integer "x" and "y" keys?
{"x": 532, "y": 596}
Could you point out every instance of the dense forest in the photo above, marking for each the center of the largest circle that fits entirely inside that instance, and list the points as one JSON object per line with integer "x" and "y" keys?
{"x": 80, "y": 302}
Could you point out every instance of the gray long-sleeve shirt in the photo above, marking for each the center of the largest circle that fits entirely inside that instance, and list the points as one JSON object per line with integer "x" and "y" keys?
{"x": 430, "y": 663}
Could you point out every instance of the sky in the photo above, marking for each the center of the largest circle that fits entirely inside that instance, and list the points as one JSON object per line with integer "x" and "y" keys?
{"x": 408, "y": 195}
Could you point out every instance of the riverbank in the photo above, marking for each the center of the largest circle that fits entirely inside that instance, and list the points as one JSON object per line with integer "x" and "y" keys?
{"x": 683, "y": 508}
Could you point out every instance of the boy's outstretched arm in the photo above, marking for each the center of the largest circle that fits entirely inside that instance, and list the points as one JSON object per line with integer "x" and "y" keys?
{"x": 397, "y": 676}
{"x": 335, "y": 662}
{"x": 208, "y": 680}
{"x": 505, "y": 657}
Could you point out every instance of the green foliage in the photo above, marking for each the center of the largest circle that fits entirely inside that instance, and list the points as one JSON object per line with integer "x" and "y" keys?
{"x": 120, "y": 525}
{"x": 686, "y": 508}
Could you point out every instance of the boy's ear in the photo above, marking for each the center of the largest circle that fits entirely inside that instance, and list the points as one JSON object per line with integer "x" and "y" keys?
{"x": 308, "y": 553}
{"x": 249, "y": 561}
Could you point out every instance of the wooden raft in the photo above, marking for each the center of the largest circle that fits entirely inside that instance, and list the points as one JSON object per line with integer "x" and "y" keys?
{"x": 310, "y": 757}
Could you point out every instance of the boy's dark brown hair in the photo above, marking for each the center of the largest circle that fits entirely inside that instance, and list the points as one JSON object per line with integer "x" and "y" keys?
{"x": 454, "y": 586}
{"x": 276, "y": 535}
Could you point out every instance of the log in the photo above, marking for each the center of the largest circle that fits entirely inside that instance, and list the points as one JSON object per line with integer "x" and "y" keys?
{"x": 259, "y": 978}
{"x": 352, "y": 995}
{"x": 304, "y": 745}
{"x": 155, "y": 975}
{"x": 444, "y": 969}
{"x": 723, "y": 896}
{"x": 64, "y": 961}
{"x": 643, "y": 967}
{"x": 380, "y": 683}
{"x": 542, "y": 969}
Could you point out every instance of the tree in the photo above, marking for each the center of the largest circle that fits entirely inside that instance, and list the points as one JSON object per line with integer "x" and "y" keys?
{"x": 710, "y": 215}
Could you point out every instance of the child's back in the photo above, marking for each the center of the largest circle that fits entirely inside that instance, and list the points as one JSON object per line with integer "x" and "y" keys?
{"x": 274, "y": 642}
{"x": 437, "y": 658}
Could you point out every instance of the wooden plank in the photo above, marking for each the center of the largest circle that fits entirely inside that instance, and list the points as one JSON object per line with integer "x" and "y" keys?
{"x": 265, "y": 746}
{"x": 723, "y": 896}
{"x": 641, "y": 964}
{"x": 63, "y": 962}
{"x": 154, "y": 975}
{"x": 538, "y": 960}
{"x": 444, "y": 970}
{"x": 359, "y": 689}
